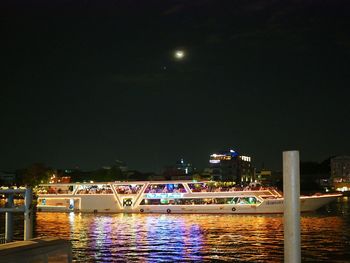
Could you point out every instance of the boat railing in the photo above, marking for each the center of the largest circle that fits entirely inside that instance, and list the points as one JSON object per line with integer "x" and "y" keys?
{"x": 268, "y": 190}
{"x": 116, "y": 197}
{"x": 140, "y": 194}
{"x": 94, "y": 192}
{"x": 276, "y": 192}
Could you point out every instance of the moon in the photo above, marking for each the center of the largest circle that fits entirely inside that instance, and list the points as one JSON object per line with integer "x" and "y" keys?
{"x": 179, "y": 54}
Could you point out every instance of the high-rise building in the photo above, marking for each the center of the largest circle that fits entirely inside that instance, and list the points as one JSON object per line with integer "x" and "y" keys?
{"x": 264, "y": 177}
{"x": 230, "y": 166}
{"x": 340, "y": 173}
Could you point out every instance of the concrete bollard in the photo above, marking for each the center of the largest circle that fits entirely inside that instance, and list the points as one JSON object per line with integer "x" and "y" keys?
{"x": 291, "y": 216}
{"x": 28, "y": 214}
{"x": 9, "y": 220}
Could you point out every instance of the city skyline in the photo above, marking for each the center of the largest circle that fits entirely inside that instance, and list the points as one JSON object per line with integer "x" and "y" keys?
{"x": 84, "y": 84}
{"x": 160, "y": 168}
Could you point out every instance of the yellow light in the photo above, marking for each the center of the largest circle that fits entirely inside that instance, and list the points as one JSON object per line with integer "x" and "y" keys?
{"x": 179, "y": 54}
{"x": 342, "y": 189}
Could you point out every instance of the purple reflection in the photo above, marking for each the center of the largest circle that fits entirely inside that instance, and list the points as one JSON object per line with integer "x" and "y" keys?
{"x": 101, "y": 241}
{"x": 168, "y": 236}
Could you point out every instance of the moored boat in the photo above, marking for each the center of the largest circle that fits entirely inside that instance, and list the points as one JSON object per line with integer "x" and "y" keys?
{"x": 168, "y": 197}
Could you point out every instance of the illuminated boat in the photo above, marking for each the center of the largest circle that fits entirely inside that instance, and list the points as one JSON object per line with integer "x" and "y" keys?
{"x": 168, "y": 197}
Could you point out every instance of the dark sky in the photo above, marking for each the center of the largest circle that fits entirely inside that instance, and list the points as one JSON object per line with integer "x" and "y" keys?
{"x": 84, "y": 83}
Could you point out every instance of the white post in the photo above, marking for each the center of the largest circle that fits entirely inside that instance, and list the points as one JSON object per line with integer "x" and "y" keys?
{"x": 28, "y": 231}
{"x": 9, "y": 220}
{"x": 291, "y": 218}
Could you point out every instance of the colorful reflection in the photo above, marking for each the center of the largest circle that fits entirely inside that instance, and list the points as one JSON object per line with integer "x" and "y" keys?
{"x": 198, "y": 238}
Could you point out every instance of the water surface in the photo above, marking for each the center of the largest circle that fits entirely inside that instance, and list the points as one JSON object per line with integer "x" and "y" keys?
{"x": 198, "y": 238}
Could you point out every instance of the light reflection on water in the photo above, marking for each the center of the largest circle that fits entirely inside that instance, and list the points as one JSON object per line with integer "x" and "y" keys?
{"x": 164, "y": 238}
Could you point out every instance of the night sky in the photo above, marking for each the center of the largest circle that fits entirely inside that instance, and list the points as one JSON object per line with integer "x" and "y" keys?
{"x": 84, "y": 83}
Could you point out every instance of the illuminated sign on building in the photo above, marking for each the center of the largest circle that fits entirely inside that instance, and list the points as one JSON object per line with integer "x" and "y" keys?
{"x": 223, "y": 156}
{"x": 220, "y": 157}
{"x": 245, "y": 158}
{"x": 163, "y": 195}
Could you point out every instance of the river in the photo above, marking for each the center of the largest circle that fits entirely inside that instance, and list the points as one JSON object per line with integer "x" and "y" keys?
{"x": 325, "y": 236}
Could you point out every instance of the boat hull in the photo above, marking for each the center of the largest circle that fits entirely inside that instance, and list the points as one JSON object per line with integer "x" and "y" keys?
{"x": 109, "y": 204}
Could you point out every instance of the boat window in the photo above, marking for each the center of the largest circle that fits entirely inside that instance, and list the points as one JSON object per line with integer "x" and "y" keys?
{"x": 198, "y": 187}
{"x": 165, "y": 188}
{"x": 235, "y": 200}
{"x": 167, "y": 201}
{"x": 202, "y": 201}
{"x": 56, "y": 189}
{"x": 213, "y": 187}
{"x": 54, "y": 202}
{"x": 251, "y": 200}
{"x": 94, "y": 189}
{"x": 128, "y": 188}
{"x": 194, "y": 201}
{"x": 41, "y": 201}
{"x": 222, "y": 201}
{"x": 150, "y": 202}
